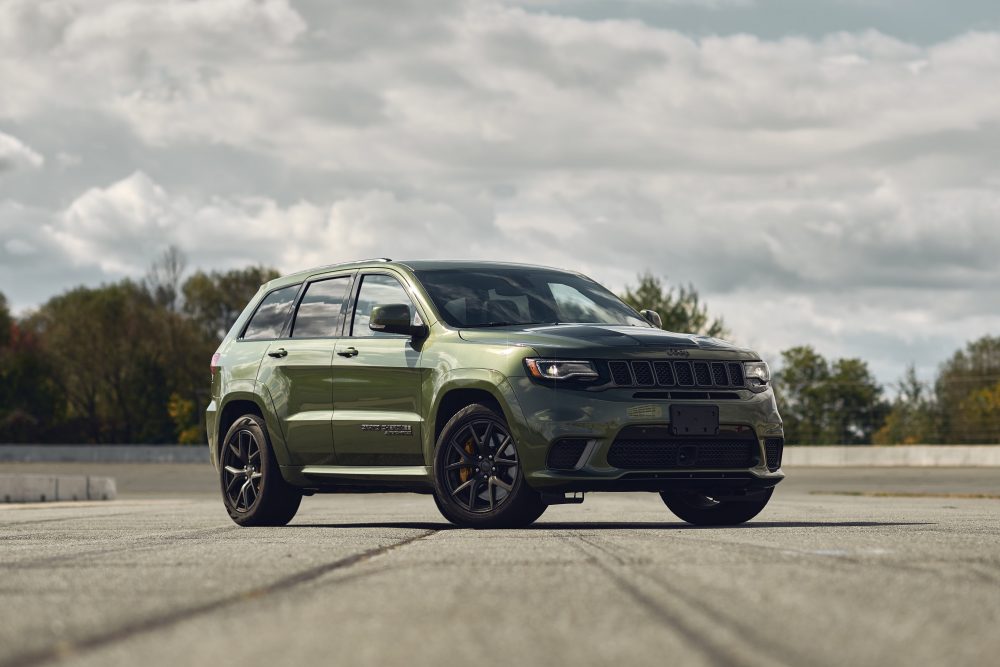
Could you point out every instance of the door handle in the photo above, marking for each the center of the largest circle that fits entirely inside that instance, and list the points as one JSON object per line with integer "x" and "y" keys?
{"x": 349, "y": 352}
{"x": 279, "y": 353}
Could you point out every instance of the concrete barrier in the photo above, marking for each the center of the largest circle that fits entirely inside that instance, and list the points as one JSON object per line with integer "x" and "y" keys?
{"x": 104, "y": 454}
{"x": 17, "y": 488}
{"x": 895, "y": 456}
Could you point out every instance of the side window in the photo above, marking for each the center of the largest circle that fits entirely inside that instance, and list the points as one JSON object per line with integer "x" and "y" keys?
{"x": 271, "y": 314}
{"x": 378, "y": 290}
{"x": 319, "y": 311}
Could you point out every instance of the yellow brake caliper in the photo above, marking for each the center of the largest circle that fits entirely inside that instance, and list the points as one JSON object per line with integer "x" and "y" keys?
{"x": 465, "y": 473}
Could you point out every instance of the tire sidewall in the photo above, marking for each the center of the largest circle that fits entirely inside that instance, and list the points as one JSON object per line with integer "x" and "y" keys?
{"x": 258, "y": 512}
{"x": 522, "y": 502}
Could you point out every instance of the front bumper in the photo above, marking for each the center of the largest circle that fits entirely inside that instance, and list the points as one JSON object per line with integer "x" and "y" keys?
{"x": 546, "y": 414}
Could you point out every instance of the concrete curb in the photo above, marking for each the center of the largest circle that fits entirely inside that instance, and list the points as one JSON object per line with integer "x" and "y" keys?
{"x": 104, "y": 454}
{"x": 900, "y": 456}
{"x": 54, "y": 488}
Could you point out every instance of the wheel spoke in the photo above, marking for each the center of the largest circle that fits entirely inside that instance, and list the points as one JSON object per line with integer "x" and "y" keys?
{"x": 505, "y": 462}
{"x": 458, "y": 465}
{"x": 491, "y": 491}
{"x": 256, "y": 475}
{"x": 234, "y": 446}
{"x": 503, "y": 485}
{"x": 235, "y": 471}
{"x": 472, "y": 493}
{"x": 256, "y": 453}
{"x": 462, "y": 486}
{"x": 461, "y": 451}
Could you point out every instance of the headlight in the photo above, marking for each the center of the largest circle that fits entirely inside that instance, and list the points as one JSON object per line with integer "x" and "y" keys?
{"x": 757, "y": 374}
{"x": 552, "y": 369}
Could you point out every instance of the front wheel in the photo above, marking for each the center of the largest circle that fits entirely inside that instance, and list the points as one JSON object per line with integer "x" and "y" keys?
{"x": 478, "y": 481}
{"x": 702, "y": 510}
{"x": 253, "y": 490}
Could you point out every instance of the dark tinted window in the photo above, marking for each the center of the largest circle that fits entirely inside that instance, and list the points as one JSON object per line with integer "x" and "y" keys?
{"x": 271, "y": 314}
{"x": 378, "y": 290}
{"x": 502, "y": 296}
{"x": 319, "y": 311}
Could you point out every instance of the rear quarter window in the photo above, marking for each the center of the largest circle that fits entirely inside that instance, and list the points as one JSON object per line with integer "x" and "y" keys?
{"x": 269, "y": 318}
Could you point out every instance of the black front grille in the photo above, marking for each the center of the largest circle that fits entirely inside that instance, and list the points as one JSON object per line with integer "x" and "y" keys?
{"x": 773, "y": 448}
{"x": 620, "y": 373}
{"x": 688, "y": 374}
{"x": 565, "y": 454}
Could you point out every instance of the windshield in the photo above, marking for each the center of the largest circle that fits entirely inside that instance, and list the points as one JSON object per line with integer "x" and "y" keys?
{"x": 468, "y": 298}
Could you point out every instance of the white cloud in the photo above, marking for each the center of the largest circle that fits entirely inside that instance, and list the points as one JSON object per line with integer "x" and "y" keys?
{"x": 14, "y": 153}
{"x": 841, "y": 190}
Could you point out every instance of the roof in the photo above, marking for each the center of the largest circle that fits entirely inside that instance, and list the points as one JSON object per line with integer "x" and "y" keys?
{"x": 413, "y": 265}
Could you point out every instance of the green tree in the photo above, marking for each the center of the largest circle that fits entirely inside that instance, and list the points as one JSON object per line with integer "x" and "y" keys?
{"x": 108, "y": 353}
{"x": 214, "y": 300}
{"x": 680, "y": 308}
{"x": 962, "y": 391}
{"x": 30, "y": 400}
{"x": 823, "y": 402}
{"x": 912, "y": 419}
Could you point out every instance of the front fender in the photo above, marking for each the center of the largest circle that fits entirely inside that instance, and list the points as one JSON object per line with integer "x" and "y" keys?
{"x": 483, "y": 379}
{"x": 257, "y": 394}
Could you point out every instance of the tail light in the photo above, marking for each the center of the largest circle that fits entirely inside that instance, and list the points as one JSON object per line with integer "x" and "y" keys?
{"x": 215, "y": 363}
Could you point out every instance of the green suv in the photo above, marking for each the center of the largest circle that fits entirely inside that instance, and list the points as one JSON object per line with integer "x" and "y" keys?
{"x": 499, "y": 388}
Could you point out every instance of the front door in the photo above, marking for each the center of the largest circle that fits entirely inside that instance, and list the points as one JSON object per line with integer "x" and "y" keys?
{"x": 297, "y": 371}
{"x": 377, "y": 384}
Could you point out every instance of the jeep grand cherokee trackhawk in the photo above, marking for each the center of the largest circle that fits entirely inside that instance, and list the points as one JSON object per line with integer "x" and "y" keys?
{"x": 499, "y": 388}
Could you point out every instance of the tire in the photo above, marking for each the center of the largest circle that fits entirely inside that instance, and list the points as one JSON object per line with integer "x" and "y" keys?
{"x": 701, "y": 510}
{"x": 253, "y": 490}
{"x": 478, "y": 479}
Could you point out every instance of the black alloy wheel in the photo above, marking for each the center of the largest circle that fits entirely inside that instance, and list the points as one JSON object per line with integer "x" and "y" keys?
{"x": 253, "y": 490}
{"x": 478, "y": 479}
{"x": 241, "y": 470}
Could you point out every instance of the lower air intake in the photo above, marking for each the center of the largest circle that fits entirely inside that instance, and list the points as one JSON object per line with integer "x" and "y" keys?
{"x": 565, "y": 454}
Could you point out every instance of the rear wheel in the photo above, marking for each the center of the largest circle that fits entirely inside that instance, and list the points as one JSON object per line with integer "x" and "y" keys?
{"x": 703, "y": 510}
{"x": 252, "y": 487}
{"x": 478, "y": 481}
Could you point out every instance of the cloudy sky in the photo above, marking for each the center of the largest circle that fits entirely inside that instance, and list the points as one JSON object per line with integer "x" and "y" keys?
{"x": 824, "y": 172}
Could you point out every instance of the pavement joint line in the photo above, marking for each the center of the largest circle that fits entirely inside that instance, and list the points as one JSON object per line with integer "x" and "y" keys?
{"x": 146, "y": 544}
{"x": 717, "y": 654}
{"x": 66, "y": 649}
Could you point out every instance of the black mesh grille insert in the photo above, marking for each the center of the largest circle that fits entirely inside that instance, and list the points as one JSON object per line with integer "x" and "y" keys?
{"x": 701, "y": 374}
{"x": 664, "y": 373}
{"x": 564, "y": 454}
{"x": 666, "y": 454}
{"x": 773, "y": 448}
{"x": 620, "y": 373}
{"x": 685, "y": 377}
{"x": 643, "y": 371}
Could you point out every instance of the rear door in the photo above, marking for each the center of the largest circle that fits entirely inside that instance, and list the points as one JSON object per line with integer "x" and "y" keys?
{"x": 377, "y": 383}
{"x": 297, "y": 369}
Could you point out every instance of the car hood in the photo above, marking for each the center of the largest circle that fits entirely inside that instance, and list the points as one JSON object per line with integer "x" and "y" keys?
{"x": 599, "y": 340}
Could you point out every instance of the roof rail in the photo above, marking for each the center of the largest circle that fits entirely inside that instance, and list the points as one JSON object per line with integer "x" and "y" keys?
{"x": 371, "y": 259}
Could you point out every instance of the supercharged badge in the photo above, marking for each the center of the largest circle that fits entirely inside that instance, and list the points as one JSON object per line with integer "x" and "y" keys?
{"x": 389, "y": 429}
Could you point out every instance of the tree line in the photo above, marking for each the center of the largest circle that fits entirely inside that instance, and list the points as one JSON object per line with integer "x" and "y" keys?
{"x": 128, "y": 362}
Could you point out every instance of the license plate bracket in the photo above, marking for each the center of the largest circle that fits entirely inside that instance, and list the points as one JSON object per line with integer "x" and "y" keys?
{"x": 694, "y": 419}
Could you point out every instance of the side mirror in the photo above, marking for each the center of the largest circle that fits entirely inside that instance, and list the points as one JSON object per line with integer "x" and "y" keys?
{"x": 394, "y": 318}
{"x": 652, "y": 317}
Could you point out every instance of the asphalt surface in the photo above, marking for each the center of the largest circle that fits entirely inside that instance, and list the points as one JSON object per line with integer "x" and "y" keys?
{"x": 821, "y": 577}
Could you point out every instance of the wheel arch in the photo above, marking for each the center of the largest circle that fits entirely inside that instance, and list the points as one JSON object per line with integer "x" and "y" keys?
{"x": 485, "y": 387}
{"x": 241, "y": 403}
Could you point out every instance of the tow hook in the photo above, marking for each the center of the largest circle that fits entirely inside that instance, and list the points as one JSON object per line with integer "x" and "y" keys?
{"x": 574, "y": 498}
